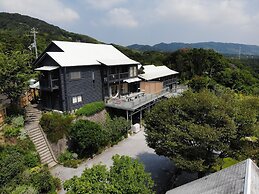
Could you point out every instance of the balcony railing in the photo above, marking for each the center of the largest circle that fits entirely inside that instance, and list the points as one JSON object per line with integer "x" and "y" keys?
{"x": 117, "y": 76}
{"x": 49, "y": 84}
{"x": 135, "y": 100}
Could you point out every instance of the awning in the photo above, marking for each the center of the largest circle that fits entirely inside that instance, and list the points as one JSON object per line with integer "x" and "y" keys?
{"x": 131, "y": 80}
{"x": 46, "y": 68}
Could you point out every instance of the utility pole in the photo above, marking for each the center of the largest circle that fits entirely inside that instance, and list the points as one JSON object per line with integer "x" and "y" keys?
{"x": 34, "y": 44}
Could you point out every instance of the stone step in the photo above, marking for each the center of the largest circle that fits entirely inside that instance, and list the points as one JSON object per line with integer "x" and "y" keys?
{"x": 31, "y": 133}
{"x": 52, "y": 164}
{"x": 44, "y": 153}
{"x": 46, "y": 158}
{"x": 38, "y": 138}
{"x": 35, "y": 134}
{"x": 41, "y": 146}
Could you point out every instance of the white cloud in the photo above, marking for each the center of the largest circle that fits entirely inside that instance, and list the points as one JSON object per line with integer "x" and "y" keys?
{"x": 50, "y": 10}
{"x": 121, "y": 17}
{"x": 104, "y": 4}
{"x": 227, "y": 12}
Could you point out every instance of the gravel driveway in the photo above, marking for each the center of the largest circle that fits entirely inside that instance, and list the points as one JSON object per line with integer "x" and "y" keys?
{"x": 135, "y": 146}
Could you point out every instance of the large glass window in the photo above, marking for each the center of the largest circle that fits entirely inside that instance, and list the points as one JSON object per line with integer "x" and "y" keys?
{"x": 133, "y": 71}
{"x": 75, "y": 75}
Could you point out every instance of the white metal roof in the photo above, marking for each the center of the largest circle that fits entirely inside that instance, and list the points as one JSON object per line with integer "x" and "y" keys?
{"x": 46, "y": 68}
{"x": 242, "y": 177}
{"x": 131, "y": 80}
{"x": 83, "y": 54}
{"x": 153, "y": 72}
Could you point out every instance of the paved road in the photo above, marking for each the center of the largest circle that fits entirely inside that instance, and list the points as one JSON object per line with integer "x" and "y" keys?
{"x": 135, "y": 146}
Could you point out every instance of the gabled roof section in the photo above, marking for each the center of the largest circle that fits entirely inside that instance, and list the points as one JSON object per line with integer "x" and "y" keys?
{"x": 153, "y": 72}
{"x": 240, "y": 178}
{"x": 84, "y": 54}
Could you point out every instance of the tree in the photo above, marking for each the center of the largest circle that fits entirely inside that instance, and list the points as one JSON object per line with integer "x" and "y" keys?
{"x": 197, "y": 128}
{"x": 87, "y": 137}
{"x": 126, "y": 176}
{"x": 15, "y": 72}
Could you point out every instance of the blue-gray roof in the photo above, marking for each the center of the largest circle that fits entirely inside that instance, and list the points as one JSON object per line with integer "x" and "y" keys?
{"x": 242, "y": 178}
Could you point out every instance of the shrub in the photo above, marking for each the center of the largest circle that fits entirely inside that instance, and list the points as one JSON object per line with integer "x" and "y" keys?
{"x": 72, "y": 163}
{"x": 55, "y": 125}
{"x": 91, "y": 109}
{"x": 40, "y": 178}
{"x": 11, "y": 164}
{"x": 87, "y": 137}
{"x": 24, "y": 189}
{"x": 18, "y": 121}
{"x": 117, "y": 128}
{"x": 65, "y": 156}
{"x": 15, "y": 110}
{"x": 10, "y": 131}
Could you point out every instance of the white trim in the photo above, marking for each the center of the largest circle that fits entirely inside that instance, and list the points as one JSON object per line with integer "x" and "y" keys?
{"x": 247, "y": 186}
{"x": 131, "y": 80}
{"x": 46, "y": 68}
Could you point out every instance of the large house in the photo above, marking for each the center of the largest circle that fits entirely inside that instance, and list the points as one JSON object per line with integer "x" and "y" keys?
{"x": 74, "y": 74}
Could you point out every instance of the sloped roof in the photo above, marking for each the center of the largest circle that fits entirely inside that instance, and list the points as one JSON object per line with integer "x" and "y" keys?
{"x": 84, "y": 54}
{"x": 153, "y": 72}
{"x": 240, "y": 178}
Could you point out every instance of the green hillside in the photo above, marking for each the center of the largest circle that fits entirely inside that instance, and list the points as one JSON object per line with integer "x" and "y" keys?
{"x": 223, "y": 48}
{"x": 15, "y": 33}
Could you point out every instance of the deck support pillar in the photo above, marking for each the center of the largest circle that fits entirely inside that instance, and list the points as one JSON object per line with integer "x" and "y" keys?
{"x": 140, "y": 117}
{"x": 127, "y": 112}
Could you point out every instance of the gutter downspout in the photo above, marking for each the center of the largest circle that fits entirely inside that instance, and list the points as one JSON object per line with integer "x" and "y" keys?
{"x": 65, "y": 89}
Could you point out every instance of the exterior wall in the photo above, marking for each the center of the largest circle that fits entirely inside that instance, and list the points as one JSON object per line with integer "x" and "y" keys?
{"x": 84, "y": 86}
{"x": 152, "y": 87}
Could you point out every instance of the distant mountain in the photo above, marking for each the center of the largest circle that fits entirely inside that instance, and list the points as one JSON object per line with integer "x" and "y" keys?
{"x": 15, "y": 33}
{"x": 223, "y": 48}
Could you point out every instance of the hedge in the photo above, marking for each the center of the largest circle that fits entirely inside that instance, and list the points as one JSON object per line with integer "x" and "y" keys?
{"x": 90, "y": 109}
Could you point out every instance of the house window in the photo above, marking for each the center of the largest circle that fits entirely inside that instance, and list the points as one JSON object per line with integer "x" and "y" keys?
{"x": 75, "y": 75}
{"x": 76, "y": 99}
{"x": 133, "y": 71}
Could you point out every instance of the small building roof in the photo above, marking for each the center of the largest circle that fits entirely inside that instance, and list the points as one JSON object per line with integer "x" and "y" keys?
{"x": 84, "y": 54}
{"x": 153, "y": 72}
{"x": 240, "y": 178}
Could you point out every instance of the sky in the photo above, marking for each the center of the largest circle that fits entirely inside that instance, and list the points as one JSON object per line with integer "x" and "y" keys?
{"x": 127, "y": 22}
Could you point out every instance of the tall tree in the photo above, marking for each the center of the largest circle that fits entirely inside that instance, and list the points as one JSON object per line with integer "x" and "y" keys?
{"x": 15, "y": 71}
{"x": 197, "y": 128}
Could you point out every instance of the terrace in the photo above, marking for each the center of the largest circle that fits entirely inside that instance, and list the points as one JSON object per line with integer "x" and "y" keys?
{"x": 137, "y": 100}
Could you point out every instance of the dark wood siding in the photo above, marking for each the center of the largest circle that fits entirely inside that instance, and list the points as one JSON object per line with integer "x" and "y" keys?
{"x": 89, "y": 90}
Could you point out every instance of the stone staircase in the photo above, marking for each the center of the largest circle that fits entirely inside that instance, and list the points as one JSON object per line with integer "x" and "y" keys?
{"x": 33, "y": 129}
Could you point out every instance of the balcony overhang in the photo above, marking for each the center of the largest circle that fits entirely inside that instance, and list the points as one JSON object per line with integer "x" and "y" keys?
{"x": 46, "y": 68}
{"x": 132, "y": 80}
